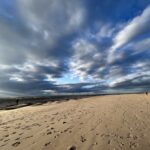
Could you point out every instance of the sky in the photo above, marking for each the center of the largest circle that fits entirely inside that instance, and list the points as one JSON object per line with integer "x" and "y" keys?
{"x": 74, "y": 46}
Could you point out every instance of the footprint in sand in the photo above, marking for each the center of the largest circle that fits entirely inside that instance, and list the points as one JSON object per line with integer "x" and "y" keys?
{"x": 2, "y": 145}
{"x": 83, "y": 139}
{"x": 95, "y": 143}
{"x": 55, "y": 113}
{"x": 109, "y": 141}
{"x": 14, "y": 133}
{"x": 49, "y": 132}
{"x": 135, "y": 137}
{"x": 18, "y": 124}
{"x": 121, "y": 144}
{"x": 16, "y": 144}
{"x": 133, "y": 145}
{"x": 46, "y": 144}
{"x": 72, "y": 148}
{"x": 6, "y": 135}
{"x": 20, "y": 133}
{"x": 55, "y": 137}
{"x": 7, "y": 127}
{"x": 121, "y": 137}
{"x": 28, "y": 137}
{"x": 17, "y": 139}
{"x": 6, "y": 140}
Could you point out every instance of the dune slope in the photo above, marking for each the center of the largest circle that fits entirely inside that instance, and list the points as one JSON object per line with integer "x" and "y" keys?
{"x": 119, "y": 122}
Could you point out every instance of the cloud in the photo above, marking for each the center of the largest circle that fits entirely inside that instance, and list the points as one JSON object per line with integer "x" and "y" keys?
{"x": 105, "y": 44}
{"x": 136, "y": 28}
{"x": 114, "y": 64}
{"x": 85, "y": 60}
{"x": 55, "y": 20}
{"x": 29, "y": 49}
{"x": 36, "y": 30}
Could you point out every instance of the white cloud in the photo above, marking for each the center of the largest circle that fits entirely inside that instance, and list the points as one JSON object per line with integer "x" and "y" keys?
{"x": 38, "y": 29}
{"x": 83, "y": 59}
{"x": 142, "y": 45}
{"x": 135, "y": 28}
{"x": 106, "y": 31}
{"x": 16, "y": 77}
{"x": 103, "y": 30}
{"x": 114, "y": 81}
{"x": 52, "y": 18}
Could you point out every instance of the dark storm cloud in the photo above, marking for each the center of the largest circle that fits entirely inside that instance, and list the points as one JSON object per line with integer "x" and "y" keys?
{"x": 105, "y": 44}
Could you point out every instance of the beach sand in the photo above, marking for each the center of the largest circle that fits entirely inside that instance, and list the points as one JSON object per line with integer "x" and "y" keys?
{"x": 114, "y": 122}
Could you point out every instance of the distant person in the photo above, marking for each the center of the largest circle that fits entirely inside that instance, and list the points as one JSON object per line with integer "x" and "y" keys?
{"x": 146, "y": 93}
{"x": 17, "y": 101}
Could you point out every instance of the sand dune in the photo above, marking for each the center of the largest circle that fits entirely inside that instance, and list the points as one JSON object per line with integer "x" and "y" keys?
{"x": 119, "y": 122}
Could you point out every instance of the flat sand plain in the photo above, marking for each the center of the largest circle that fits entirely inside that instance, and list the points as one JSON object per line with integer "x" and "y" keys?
{"x": 117, "y": 122}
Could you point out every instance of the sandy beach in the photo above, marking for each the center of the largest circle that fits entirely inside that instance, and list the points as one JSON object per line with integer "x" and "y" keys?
{"x": 117, "y": 122}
